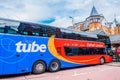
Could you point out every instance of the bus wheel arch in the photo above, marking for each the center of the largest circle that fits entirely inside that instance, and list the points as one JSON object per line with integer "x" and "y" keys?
{"x": 39, "y": 67}
{"x": 54, "y": 65}
{"x": 102, "y": 60}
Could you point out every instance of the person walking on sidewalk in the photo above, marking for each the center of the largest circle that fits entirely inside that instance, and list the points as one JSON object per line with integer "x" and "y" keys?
{"x": 118, "y": 54}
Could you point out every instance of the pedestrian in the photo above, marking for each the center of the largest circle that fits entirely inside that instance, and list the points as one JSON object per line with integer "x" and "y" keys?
{"x": 113, "y": 51}
{"x": 118, "y": 54}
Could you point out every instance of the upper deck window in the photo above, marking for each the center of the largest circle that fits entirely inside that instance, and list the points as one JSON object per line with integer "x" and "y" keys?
{"x": 1, "y": 30}
{"x": 9, "y": 26}
{"x": 8, "y": 30}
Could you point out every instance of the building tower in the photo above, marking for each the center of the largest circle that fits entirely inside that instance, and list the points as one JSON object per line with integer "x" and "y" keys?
{"x": 117, "y": 27}
{"x": 94, "y": 20}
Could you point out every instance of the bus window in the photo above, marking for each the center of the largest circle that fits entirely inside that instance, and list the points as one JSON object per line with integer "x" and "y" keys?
{"x": 68, "y": 51}
{"x": 80, "y": 52}
{"x": 92, "y": 51}
{"x": 63, "y": 35}
{"x": 50, "y": 31}
{"x": 87, "y": 51}
{"x": 99, "y": 51}
{"x": 35, "y": 34}
{"x": 75, "y": 51}
{"x": 25, "y": 33}
{"x": 45, "y": 35}
{"x": 30, "y": 33}
{"x": 58, "y": 33}
{"x": 102, "y": 51}
{"x": 1, "y": 30}
{"x": 44, "y": 29}
{"x": 11, "y": 31}
{"x": 8, "y": 29}
{"x": 71, "y": 51}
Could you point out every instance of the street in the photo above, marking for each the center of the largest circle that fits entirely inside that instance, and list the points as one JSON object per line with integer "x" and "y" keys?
{"x": 109, "y": 71}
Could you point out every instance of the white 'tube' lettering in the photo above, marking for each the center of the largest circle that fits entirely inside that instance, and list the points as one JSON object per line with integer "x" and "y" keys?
{"x": 23, "y": 47}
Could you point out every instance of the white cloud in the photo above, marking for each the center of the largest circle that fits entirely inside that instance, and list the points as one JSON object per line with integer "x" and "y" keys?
{"x": 62, "y": 22}
{"x": 38, "y": 10}
{"x": 66, "y": 21}
{"x": 25, "y": 10}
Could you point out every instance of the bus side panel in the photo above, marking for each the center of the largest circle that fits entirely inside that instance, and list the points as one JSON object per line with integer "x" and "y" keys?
{"x": 1, "y": 68}
{"x": 8, "y": 56}
{"x": 27, "y": 59}
{"x": 9, "y": 68}
{"x": 1, "y": 64}
{"x": 70, "y": 65}
{"x": 108, "y": 58}
{"x": 23, "y": 63}
{"x": 9, "y": 65}
{"x": 46, "y": 57}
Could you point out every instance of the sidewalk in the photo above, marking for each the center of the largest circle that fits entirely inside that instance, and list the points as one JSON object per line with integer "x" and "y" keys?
{"x": 117, "y": 64}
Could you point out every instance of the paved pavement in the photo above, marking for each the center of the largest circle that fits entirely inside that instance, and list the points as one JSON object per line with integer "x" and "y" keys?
{"x": 109, "y": 71}
{"x": 117, "y": 64}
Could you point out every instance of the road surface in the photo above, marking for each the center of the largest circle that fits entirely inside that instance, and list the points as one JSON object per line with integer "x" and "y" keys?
{"x": 110, "y": 71}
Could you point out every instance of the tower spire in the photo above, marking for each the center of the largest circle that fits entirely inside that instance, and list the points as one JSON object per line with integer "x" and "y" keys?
{"x": 115, "y": 20}
{"x": 93, "y": 11}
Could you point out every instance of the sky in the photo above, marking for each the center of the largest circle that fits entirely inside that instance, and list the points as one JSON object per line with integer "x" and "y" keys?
{"x": 57, "y": 12}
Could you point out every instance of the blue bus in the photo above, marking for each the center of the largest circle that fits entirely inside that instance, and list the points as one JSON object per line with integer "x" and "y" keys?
{"x": 30, "y": 47}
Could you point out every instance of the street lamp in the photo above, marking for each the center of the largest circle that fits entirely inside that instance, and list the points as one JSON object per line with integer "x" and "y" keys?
{"x": 72, "y": 20}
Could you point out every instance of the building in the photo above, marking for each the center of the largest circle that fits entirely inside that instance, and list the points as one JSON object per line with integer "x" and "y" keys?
{"x": 117, "y": 28}
{"x": 96, "y": 22}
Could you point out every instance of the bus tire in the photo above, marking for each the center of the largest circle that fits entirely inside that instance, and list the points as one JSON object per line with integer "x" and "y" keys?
{"x": 39, "y": 67}
{"x": 54, "y": 66}
{"x": 102, "y": 60}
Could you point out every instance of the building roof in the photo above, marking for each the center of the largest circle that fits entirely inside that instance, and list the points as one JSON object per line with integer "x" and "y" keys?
{"x": 115, "y": 39}
{"x": 100, "y": 32}
{"x": 94, "y": 11}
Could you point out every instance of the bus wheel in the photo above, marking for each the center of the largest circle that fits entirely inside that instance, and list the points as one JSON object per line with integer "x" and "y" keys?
{"x": 102, "y": 60}
{"x": 39, "y": 67}
{"x": 54, "y": 66}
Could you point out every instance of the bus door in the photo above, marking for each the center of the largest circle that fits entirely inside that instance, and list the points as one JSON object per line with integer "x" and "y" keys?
{"x": 7, "y": 59}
